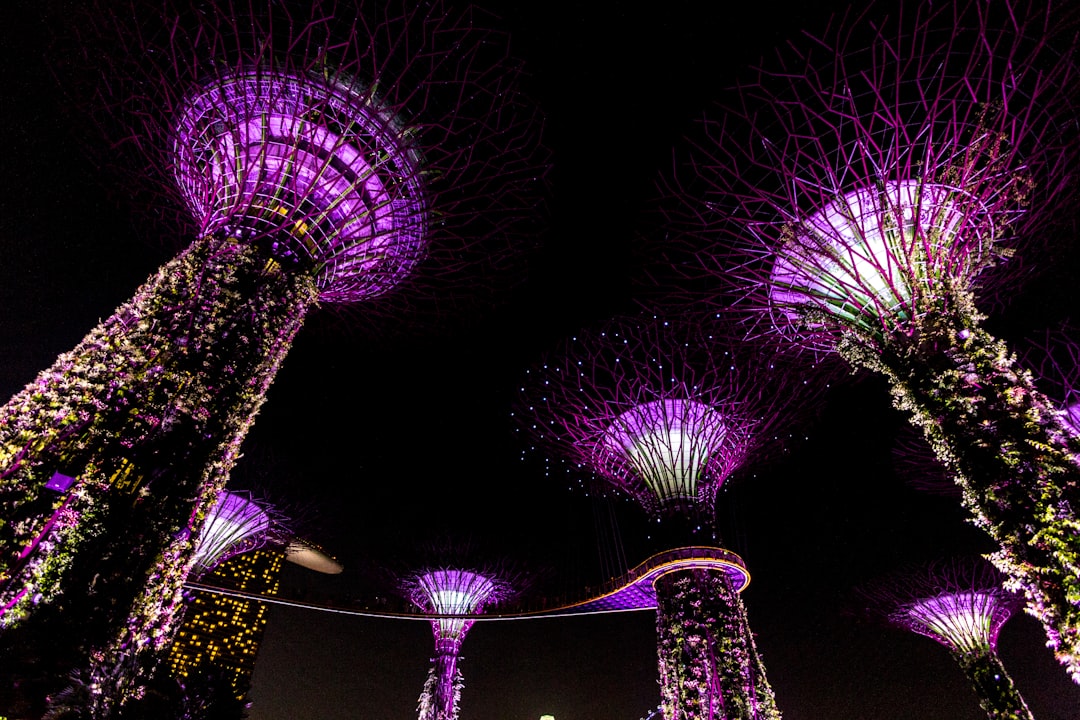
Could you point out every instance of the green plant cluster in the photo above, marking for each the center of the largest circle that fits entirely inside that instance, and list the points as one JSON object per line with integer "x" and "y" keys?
{"x": 709, "y": 666}
{"x": 1004, "y": 443}
{"x": 147, "y": 415}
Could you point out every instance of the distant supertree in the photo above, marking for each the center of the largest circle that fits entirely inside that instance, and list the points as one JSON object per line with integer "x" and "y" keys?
{"x": 235, "y": 524}
{"x": 875, "y": 180}
{"x": 665, "y": 412}
{"x": 961, "y": 605}
{"x": 448, "y": 592}
{"x": 322, "y": 158}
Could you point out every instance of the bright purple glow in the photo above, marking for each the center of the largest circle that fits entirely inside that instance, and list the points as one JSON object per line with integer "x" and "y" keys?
{"x": 667, "y": 443}
{"x": 865, "y": 251}
{"x": 235, "y": 524}
{"x": 453, "y": 592}
{"x": 637, "y": 589}
{"x": 883, "y": 167}
{"x": 663, "y": 411}
{"x": 959, "y": 603}
{"x": 1070, "y": 416}
{"x": 964, "y": 621}
{"x": 318, "y": 165}
{"x": 59, "y": 482}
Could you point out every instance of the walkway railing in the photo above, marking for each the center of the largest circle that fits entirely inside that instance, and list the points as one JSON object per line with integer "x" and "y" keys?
{"x": 633, "y": 591}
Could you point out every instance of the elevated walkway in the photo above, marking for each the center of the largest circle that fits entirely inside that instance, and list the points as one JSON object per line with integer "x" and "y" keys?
{"x": 633, "y": 591}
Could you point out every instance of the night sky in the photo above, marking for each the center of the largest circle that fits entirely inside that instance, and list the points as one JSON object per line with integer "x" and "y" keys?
{"x": 378, "y": 447}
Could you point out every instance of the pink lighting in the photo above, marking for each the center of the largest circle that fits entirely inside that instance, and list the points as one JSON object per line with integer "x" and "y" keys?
{"x": 345, "y": 192}
{"x": 965, "y": 621}
{"x": 450, "y": 595}
{"x": 235, "y": 524}
{"x": 667, "y": 443}
{"x": 453, "y": 592}
{"x": 664, "y": 411}
{"x": 864, "y": 252}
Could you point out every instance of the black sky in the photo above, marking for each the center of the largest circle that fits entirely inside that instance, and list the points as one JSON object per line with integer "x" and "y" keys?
{"x": 379, "y": 447}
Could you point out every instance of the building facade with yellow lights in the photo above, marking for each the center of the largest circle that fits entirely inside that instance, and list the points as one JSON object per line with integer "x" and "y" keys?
{"x": 224, "y": 632}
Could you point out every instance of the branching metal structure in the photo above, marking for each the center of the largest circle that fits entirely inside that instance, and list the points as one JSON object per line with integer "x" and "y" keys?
{"x": 869, "y": 185}
{"x": 665, "y": 412}
{"x": 320, "y": 161}
{"x": 446, "y": 592}
{"x": 235, "y": 524}
{"x": 961, "y": 605}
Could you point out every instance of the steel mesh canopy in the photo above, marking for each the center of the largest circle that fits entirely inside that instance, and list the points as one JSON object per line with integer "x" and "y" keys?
{"x": 866, "y": 254}
{"x": 667, "y": 443}
{"x": 447, "y": 591}
{"x": 965, "y": 621}
{"x": 315, "y": 165}
{"x": 234, "y": 524}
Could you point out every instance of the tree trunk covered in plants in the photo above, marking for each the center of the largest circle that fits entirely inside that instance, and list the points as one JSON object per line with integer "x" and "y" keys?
{"x": 997, "y": 694}
{"x": 1006, "y": 447}
{"x": 709, "y": 666}
{"x": 146, "y": 416}
{"x": 441, "y": 698}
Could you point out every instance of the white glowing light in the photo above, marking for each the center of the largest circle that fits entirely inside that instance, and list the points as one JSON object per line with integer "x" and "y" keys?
{"x": 863, "y": 254}
{"x": 667, "y": 444}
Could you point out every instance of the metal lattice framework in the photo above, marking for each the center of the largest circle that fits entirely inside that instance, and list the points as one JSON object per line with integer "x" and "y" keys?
{"x": 1054, "y": 358}
{"x": 890, "y": 163}
{"x": 664, "y": 411}
{"x": 237, "y": 523}
{"x": 311, "y": 164}
{"x": 449, "y": 592}
{"x": 961, "y": 605}
{"x": 314, "y": 156}
{"x": 863, "y": 190}
{"x": 384, "y": 147}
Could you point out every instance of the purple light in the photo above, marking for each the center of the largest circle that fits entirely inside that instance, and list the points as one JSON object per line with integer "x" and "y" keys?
{"x": 318, "y": 164}
{"x": 667, "y": 443}
{"x": 663, "y": 411}
{"x": 59, "y": 482}
{"x": 864, "y": 252}
{"x": 452, "y": 592}
{"x": 965, "y": 621}
{"x": 235, "y": 524}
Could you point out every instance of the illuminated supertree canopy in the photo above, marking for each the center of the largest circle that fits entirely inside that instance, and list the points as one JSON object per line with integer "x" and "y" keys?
{"x": 317, "y": 163}
{"x": 235, "y": 524}
{"x": 866, "y": 187}
{"x": 663, "y": 411}
{"x": 666, "y": 412}
{"x": 961, "y": 605}
{"x": 447, "y": 592}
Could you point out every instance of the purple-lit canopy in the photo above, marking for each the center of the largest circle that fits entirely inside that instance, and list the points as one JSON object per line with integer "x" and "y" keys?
{"x": 377, "y": 146}
{"x": 898, "y": 159}
{"x": 867, "y": 252}
{"x": 665, "y": 411}
{"x": 667, "y": 444}
{"x": 234, "y": 525}
{"x": 959, "y": 603}
{"x": 964, "y": 621}
{"x": 318, "y": 166}
{"x": 448, "y": 591}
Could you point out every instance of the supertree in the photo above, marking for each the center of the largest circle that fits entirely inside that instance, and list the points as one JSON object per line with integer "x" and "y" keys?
{"x": 235, "y": 524}
{"x": 961, "y": 605}
{"x": 665, "y": 412}
{"x": 451, "y": 592}
{"x": 325, "y": 158}
{"x": 860, "y": 192}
